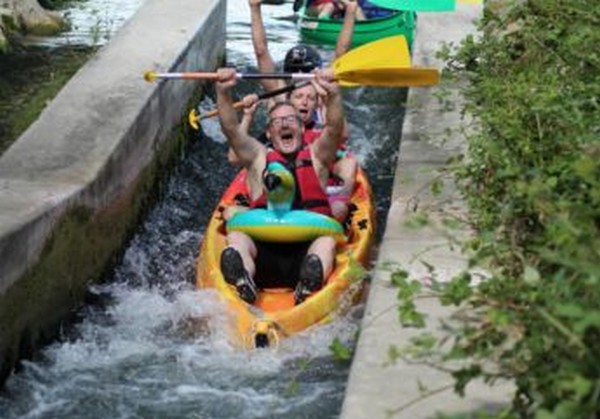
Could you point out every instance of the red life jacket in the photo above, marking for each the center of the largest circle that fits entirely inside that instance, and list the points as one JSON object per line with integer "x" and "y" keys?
{"x": 310, "y": 135}
{"x": 309, "y": 194}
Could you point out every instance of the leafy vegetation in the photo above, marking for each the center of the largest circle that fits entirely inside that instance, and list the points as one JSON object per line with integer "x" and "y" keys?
{"x": 31, "y": 77}
{"x": 532, "y": 181}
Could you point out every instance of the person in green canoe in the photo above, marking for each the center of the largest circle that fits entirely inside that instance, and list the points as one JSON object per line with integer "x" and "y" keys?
{"x": 333, "y": 9}
{"x": 299, "y": 60}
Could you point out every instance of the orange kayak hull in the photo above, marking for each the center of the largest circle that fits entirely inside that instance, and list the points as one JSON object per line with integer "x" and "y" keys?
{"x": 274, "y": 316}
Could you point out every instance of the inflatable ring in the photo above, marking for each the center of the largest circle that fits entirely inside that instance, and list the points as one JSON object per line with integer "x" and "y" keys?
{"x": 292, "y": 226}
{"x": 280, "y": 223}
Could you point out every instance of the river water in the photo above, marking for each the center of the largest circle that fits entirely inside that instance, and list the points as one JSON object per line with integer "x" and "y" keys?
{"x": 133, "y": 353}
{"x": 91, "y": 22}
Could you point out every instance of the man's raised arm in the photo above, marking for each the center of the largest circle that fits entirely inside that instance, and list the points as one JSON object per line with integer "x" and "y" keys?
{"x": 344, "y": 41}
{"x": 261, "y": 49}
{"x": 245, "y": 146}
{"x": 333, "y": 131}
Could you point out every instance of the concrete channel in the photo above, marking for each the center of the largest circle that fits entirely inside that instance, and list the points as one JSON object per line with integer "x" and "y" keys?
{"x": 381, "y": 386}
{"x": 74, "y": 184}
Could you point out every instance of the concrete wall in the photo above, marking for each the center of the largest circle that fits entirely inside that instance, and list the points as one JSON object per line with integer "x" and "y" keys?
{"x": 73, "y": 185}
{"x": 379, "y": 387}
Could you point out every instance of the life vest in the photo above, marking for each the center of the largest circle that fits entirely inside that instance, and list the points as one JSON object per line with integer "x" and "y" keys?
{"x": 310, "y": 135}
{"x": 309, "y": 194}
{"x": 312, "y": 131}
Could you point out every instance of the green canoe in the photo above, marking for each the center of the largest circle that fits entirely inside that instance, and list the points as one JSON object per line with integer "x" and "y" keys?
{"x": 325, "y": 31}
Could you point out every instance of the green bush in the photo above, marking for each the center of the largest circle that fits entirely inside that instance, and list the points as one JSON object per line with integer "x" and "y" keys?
{"x": 532, "y": 180}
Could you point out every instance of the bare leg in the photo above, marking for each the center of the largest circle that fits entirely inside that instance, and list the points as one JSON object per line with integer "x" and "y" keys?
{"x": 324, "y": 248}
{"x": 326, "y": 10}
{"x": 246, "y": 248}
{"x": 345, "y": 169}
{"x": 339, "y": 209}
{"x": 317, "y": 266}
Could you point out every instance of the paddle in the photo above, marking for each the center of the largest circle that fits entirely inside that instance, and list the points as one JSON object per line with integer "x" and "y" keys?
{"x": 390, "y": 52}
{"x": 380, "y": 76}
{"x": 379, "y": 63}
{"x": 194, "y": 117}
{"x": 422, "y": 5}
{"x": 417, "y": 5}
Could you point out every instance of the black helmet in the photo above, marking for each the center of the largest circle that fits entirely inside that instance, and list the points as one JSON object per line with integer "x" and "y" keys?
{"x": 301, "y": 59}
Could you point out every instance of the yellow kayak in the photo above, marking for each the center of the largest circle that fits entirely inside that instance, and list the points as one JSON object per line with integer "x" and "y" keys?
{"x": 274, "y": 316}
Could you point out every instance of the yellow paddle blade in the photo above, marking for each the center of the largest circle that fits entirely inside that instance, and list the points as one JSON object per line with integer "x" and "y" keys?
{"x": 470, "y": 1}
{"x": 193, "y": 118}
{"x": 386, "y": 52}
{"x": 392, "y": 76}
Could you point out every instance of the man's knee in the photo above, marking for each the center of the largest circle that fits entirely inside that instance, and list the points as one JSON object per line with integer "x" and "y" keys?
{"x": 339, "y": 210}
{"x": 242, "y": 242}
{"x": 324, "y": 246}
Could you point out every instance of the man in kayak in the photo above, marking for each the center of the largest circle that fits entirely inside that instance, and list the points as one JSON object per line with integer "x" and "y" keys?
{"x": 304, "y": 59}
{"x": 345, "y": 167}
{"x": 243, "y": 258}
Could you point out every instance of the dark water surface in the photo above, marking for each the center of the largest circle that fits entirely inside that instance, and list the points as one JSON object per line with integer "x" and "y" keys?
{"x": 134, "y": 355}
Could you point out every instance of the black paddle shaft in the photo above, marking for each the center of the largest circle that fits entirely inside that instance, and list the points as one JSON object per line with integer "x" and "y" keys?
{"x": 280, "y": 76}
{"x": 282, "y": 90}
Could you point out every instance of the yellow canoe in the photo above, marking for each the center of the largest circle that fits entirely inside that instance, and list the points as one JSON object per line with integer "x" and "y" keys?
{"x": 274, "y": 316}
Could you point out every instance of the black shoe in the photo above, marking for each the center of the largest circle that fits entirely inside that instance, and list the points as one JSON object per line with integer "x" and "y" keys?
{"x": 310, "y": 279}
{"x": 234, "y": 273}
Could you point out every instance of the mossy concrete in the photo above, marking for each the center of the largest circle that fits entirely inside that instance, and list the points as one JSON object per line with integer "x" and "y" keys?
{"x": 72, "y": 188}
{"x": 82, "y": 247}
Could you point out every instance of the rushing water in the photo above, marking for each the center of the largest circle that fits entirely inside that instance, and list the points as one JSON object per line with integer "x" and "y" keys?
{"x": 134, "y": 353}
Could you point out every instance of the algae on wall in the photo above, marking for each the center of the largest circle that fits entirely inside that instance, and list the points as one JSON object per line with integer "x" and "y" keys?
{"x": 84, "y": 246}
